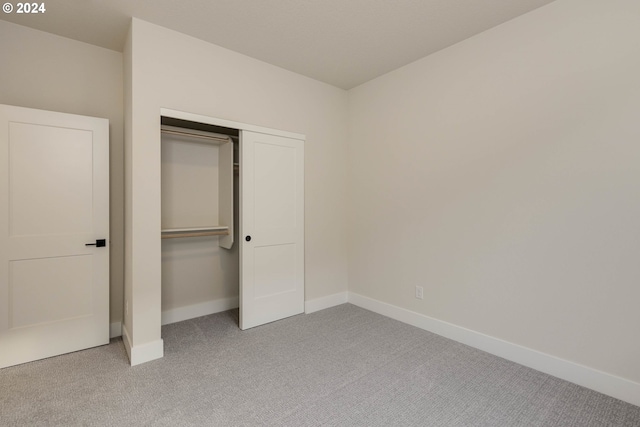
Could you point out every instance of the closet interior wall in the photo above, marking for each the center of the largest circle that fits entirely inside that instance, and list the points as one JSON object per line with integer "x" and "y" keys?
{"x": 197, "y": 180}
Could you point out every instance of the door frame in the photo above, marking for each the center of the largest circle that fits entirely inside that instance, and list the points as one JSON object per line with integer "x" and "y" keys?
{"x": 176, "y": 114}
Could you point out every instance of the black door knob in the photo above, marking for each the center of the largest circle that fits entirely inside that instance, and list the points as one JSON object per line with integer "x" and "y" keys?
{"x": 248, "y": 238}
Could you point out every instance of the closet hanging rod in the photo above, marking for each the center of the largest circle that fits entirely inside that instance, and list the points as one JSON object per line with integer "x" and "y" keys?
{"x": 221, "y": 139}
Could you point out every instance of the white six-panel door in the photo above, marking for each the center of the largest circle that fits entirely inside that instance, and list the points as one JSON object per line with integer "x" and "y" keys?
{"x": 54, "y": 200}
{"x": 271, "y": 228}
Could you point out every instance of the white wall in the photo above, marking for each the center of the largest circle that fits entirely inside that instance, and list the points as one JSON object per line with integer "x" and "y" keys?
{"x": 179, "y": 72}
{"x": 48, "y": 72}
{"x": 503, "y": 175}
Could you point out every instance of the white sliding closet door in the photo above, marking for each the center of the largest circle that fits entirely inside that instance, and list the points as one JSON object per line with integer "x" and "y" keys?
{"x": 54, "y": 234}
{"x": 271, "y": 228}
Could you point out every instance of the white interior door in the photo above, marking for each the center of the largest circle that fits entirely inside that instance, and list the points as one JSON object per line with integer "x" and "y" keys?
{"x": 54, "y": 200}
{"x": 271, "y": 228}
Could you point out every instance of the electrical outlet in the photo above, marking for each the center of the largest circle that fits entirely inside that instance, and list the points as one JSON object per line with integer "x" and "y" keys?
{"x": 419, "y": 292}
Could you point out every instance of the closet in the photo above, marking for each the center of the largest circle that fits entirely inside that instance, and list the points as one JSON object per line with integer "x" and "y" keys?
{"x": 232, "y": 219}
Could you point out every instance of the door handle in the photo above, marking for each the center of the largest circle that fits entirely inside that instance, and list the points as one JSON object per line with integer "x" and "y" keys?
{"x": 248, "y": 238}
{"x": 100, "y": 243}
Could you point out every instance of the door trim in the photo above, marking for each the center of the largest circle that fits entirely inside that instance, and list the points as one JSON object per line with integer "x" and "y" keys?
{"x": 176, "y": 114}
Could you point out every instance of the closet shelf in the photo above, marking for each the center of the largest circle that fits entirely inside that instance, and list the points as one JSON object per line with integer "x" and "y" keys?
{"x": 174, "y": 233}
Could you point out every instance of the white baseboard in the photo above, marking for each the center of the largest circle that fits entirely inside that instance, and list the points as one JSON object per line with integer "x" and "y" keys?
{"x": 144, "y": 352}
{"x": 126, "y": 341}
{"x": 602, "y": 382}
{"x": 216, "y": 306}
{"x": 201, "y": 309}
{"x": 318, "y": 304}
{"x": 147, "y": 352}
{"x": 115, "y": 329}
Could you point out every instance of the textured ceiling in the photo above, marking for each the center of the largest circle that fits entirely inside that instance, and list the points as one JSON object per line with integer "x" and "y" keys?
{"x": 341, "y": 42}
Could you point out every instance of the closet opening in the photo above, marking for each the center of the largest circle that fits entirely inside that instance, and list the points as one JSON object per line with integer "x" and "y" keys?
{"x": 199, "y": 219}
